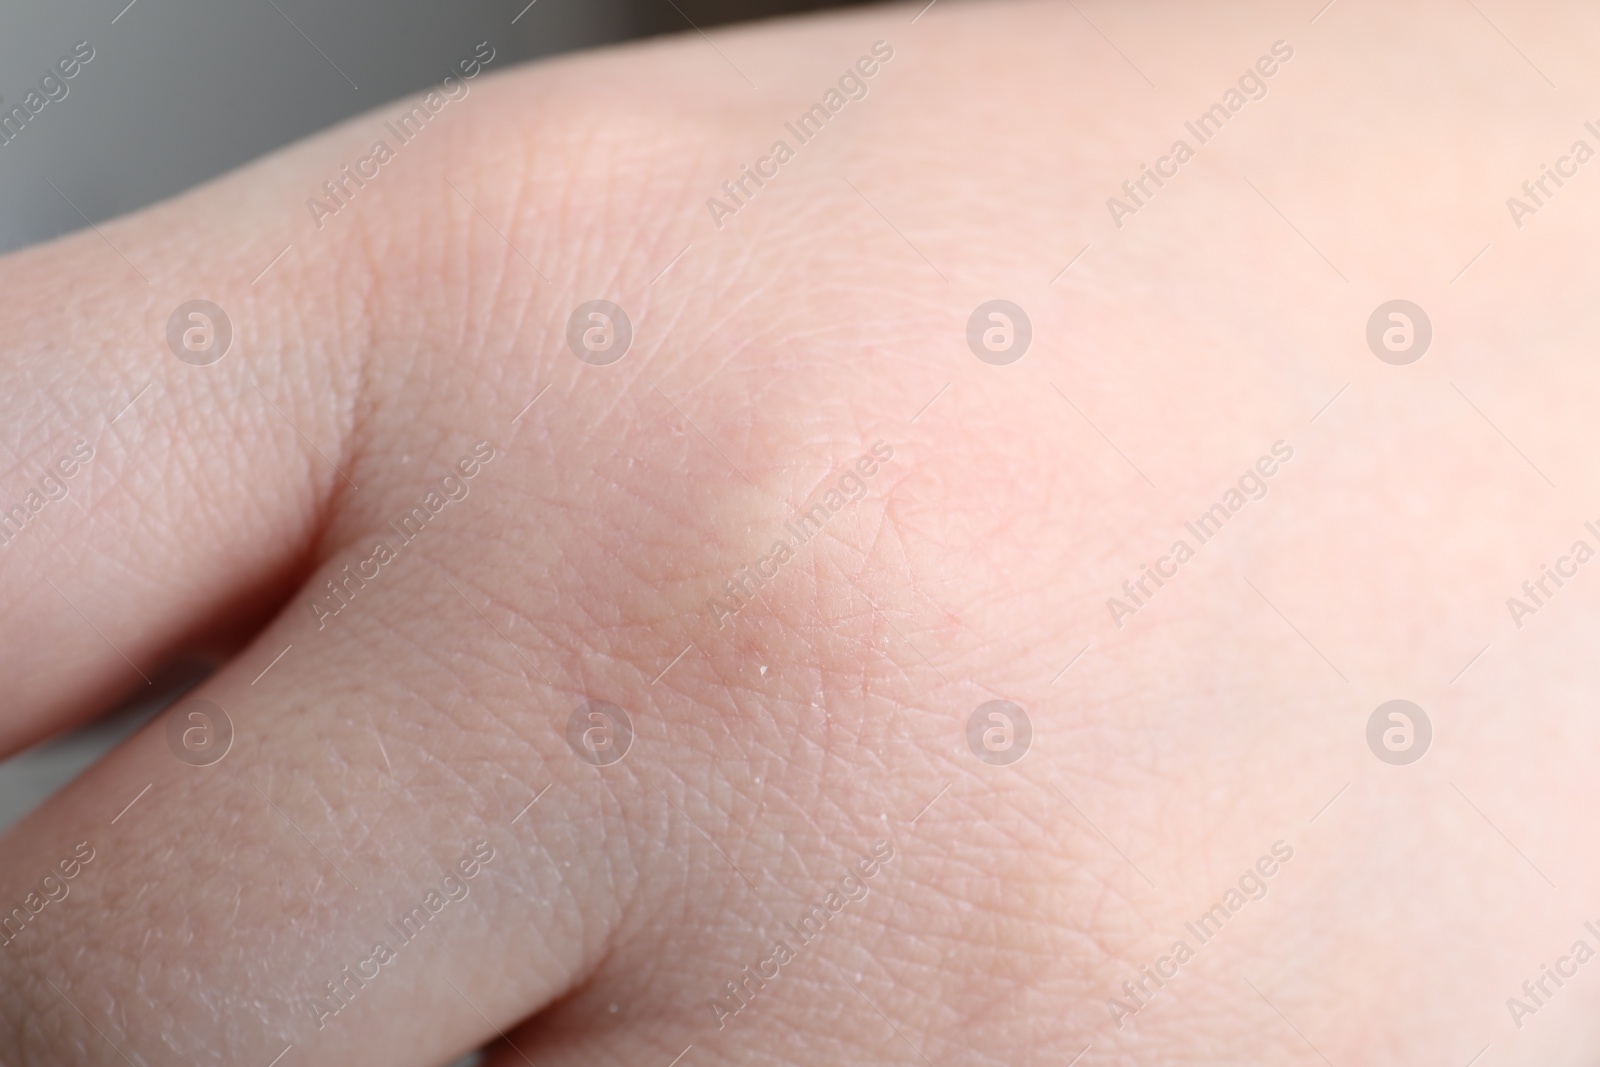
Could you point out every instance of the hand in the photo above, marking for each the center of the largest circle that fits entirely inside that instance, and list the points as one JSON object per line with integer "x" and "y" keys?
{"x": 565, "y": 688}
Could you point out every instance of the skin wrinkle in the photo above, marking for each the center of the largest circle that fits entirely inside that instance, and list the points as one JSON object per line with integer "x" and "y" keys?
{"x": 490, "y": 290}
{"x": 467, "y": 686}
{"x": 341, "y": 380}
{"x": 593, "y": 590}
{"x": 106, "y": 457}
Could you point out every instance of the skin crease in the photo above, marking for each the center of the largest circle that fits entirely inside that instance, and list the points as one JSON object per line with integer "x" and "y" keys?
{"x": 831, "y": 714}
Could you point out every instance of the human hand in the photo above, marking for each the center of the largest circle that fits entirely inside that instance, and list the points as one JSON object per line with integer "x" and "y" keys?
{"x": 559, "y": 530}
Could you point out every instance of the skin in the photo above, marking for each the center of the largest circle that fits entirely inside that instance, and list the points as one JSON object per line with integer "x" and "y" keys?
{"x": 1228, "y": 714}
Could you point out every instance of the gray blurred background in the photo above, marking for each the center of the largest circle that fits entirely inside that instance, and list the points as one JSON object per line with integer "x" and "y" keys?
{"x": 179, "y": 91}
{"x": 182, "y": 90}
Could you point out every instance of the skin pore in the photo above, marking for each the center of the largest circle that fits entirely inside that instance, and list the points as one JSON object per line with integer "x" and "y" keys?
{"x": 410, "y": 732}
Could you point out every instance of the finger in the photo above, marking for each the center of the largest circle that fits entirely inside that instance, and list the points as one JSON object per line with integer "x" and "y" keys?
{"x": 341, "y": 816}
{"x": 353, "y": 787}
{"x": 407, "y": 755}
{"x": 159, "y": 485}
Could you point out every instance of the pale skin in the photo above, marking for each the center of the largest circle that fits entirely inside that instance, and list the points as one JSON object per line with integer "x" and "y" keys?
{"x": 1226, "y": 715}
